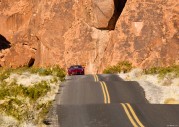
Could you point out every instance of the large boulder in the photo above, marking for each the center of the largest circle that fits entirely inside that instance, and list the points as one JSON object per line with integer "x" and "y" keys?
{"x": 103, "y": 11}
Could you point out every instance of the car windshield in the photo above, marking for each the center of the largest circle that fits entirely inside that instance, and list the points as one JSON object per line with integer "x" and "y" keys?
{"x": 76, "y": 66}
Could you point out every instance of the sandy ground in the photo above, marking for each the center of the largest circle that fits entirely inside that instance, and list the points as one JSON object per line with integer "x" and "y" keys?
{"x": 157, "y": 90}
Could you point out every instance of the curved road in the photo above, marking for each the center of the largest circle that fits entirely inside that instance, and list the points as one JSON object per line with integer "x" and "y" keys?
{"x": 108, "y": 101}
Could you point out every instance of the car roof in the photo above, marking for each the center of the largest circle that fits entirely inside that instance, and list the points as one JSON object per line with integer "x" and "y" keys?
{"x": 76, "y": 66}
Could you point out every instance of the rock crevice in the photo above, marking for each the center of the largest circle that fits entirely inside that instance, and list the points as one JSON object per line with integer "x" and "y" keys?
{"x": 4, "y": 43}
{"x": 118, "y": 8}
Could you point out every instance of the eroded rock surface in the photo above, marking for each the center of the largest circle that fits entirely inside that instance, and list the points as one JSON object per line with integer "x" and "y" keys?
{"x": 90, "y": 32}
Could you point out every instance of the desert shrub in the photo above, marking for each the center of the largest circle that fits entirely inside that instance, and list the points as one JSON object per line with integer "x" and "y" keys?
{"x": 123, "y": 66}
{"x": 33, "y": 92}
{"x": 17, "y": 99}
{"x": 3, "y": 93}
{"x": 19, "y": 110}
{"x": 54, "y": 80}
{"x": 57, "y": 71}
{"x": 43, "y": 109}
{"x": 12, "y": 108}
{"x": 5, "y": 73}
{"x": 162, "y": 71}
{"x": 36, "y": 91}
{"x": 54, "y": 70}
{"x": 11, "y": 90}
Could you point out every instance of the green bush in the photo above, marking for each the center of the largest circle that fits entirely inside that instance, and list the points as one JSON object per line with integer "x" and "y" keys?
{"x": 20, "y": 111}
{"x": 33, "y": 92}
{"x": 123, "y": 66}
{"x": 59, "y": 72}
{"x": 11, "y": 90}
{"x": 55, "y": 71}
{"x": 36, "y": 91}
{"x": 15, "y": 95}
{"x": 12, "y": 108}
{"x": 4, "y": 73}
{"x": 162, "y": 71}
{"x": 43, "y": 109}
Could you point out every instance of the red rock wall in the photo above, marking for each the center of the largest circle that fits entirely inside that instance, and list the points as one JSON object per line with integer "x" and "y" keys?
{"x": 67, "y": 32}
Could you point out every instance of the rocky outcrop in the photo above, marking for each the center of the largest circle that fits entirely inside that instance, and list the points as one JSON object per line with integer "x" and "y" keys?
{"x": 93, "y": 33}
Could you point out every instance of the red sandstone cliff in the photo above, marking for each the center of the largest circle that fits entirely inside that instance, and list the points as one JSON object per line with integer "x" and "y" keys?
{"x": 90, "y": 32}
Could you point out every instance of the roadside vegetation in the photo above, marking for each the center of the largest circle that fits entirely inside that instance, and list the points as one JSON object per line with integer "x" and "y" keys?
{"x": 126, "y": 66}
{"x": 26, "y": 94}
{"x": 55, "y": 71}
{"x": 123, "y": 66}
{"x": 163, "y": 71}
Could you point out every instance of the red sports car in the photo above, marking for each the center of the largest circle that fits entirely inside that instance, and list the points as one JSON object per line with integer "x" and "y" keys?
{"x": 76, "y": 70}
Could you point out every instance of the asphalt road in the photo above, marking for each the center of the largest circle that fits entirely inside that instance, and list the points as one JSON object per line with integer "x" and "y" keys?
{"x": 108, "y": 101}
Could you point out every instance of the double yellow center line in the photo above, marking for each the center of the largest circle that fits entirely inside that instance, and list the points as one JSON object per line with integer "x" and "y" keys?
{"x": 132, "y": 115}
{"x": 126, "y": 106}
{"x": 96, "y": 79}
{"x": 104, "y": 89}
{"x": 105, "y": 93}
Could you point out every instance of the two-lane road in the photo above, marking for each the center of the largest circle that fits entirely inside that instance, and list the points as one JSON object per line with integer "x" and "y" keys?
{"x": 108, "y": 101}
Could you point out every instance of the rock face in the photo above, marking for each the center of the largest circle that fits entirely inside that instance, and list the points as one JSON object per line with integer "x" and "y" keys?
{"x": 94, "y": 33}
